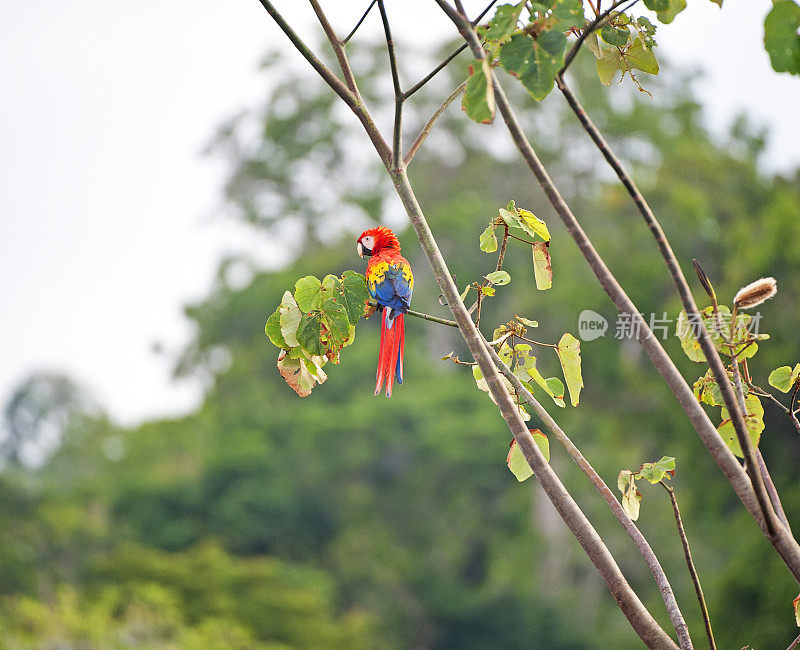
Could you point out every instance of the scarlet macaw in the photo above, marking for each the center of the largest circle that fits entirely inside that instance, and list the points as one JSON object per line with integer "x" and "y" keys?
{"x": 390, "y": 283}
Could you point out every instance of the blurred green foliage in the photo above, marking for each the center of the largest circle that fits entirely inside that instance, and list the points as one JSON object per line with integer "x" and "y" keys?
{"x": 345, "y": 520}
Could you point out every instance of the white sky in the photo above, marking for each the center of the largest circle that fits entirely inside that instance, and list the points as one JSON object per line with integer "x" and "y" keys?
{"x": 107, "y": 209}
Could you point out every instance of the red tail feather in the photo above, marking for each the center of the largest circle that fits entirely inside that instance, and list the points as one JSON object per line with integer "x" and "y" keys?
{"x": 390, "y": 355}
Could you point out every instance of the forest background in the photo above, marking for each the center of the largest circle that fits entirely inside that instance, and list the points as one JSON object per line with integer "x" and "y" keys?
{"x": 261, "y": 520}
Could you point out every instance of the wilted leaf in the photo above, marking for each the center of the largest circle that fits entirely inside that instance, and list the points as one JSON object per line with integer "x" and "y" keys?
{"x": 542, "y": 267}
{"x": 499, "y": 278}
{"x": 301, "y": 374}
{"x": 488, "y": 240}
{"x": 529, "y": 323}
{"x": 478, "y": 101}
{"x": 754, "y": 420}
{"x": 784, "y": 378}
{"x": 289, "y": 319}
{"x": 516, "y": 460}
{"x": 631, "y": 497}
{"x": 569, "y": 354}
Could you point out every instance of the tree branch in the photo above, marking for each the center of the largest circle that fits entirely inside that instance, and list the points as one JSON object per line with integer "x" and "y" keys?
{"x": 435, "y": 71}
{"x": 687, "y": 299}
{"x": 638, "y": 616}
{"x": 338, "y": 48}
{"x": 429, "y": 126}
{"x": 785, "y": 545}
{"x": 358, "y": 24}
{"x": 397, "y": 131}
{"x": 599, "y": 484}
{"x": 690, "y": 563}
{"x": 349, "y": 97}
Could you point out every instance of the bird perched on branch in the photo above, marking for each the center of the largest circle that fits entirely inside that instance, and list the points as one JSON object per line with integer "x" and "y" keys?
{"x": 390, "y": 283}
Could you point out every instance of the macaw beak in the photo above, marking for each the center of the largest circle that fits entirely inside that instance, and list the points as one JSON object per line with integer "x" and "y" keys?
{"x": 363, "y": 252}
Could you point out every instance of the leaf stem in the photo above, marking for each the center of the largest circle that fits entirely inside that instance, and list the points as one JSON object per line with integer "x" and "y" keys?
{"x": 690, "y": 563}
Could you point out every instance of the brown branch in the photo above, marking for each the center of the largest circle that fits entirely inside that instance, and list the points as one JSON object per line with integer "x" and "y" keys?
{"x": 690, "y": 563}
{"x": 608, "y": 496}
{"x": 397, "y": 130}
{"x": 785, "y": 545}
{"x": 794, "y": 643}
{"x": 358, "y": 24}
{"x": 771, "y": 522}
{"x": 348, "y": 96}
{"x": 429, "y": 126}
{"x": 338, "y": 48}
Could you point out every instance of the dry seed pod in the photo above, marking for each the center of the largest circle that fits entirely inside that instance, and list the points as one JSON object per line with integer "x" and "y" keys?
{"x": 755, "y": 293}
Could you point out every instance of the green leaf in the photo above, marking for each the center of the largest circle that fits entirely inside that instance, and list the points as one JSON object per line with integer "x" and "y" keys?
{"x": 796, "y": 605}
{"x": 308, "y": 293}
{"x": 504, "y": 22}
{"x": 542, "y": 268}
{"x": 614, "y": 36}
{"x": 488, "y": 240}
{"x": 569, "y": 354}
{"x": 533, "y": 225}
{"x": 642, "y": 58}
{"x": 309, "y": 333}
{"x": 478, "y": 101}
{"x": 658, "y": 471}
{"x": 354, "y": 293}
{"x": 488, "y": 291}
{"x": 666, "y": 10}
{"x": 499, "y": 278}
{"x": 553, "y": 386}
{"x": 685, "y": 331}
{"x": 755, "y": 425}
{"x": 784, "y": 378}
{"x": 706, "y": 390}
{"x": 337, "y": 323}
{"x": 289, "y": 319}
{"x": 535, "y": 62}
{"x": 568, "y": 13}
{"x": 594, "y": 45}
{"x": 273, "y": 330}
{"x": 631, "y": 497}
{"x": 516, "y": 460}
{"x": 781, "y": 39}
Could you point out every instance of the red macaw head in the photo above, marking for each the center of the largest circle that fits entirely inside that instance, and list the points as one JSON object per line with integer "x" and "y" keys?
{"x": 374, "y": 240}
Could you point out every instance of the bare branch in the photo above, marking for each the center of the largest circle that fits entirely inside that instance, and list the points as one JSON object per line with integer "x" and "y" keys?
{"x": 351, "y": 99}
{"x": 397, "y": 131}
{"x": 338, "y": 47}
{"x": 429, "y": 126}
{"x": 358, "y": 24}
{"x": 608, "y": 496}
{"x": 709, "y": 349}
{"x": 690, "y": 563}
{"x": 435, "y": 71}
{"x": 786, "y": 546}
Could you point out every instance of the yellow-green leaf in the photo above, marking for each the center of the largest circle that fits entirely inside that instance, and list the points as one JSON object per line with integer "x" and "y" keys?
{"x": 478, "y": 101}
{"x": 754, "y": 420}
{"x": 569, "y": 354}
{"x": 516, "y": 460}
{"x": 784, "y": 378}
{"x": 542, "y": 267}
{"x": 488, "y": 240}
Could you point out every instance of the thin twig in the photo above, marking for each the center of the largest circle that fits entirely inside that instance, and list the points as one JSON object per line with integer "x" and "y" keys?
{"x": 358, "y": 24}
{"x": 785, "y": 544}
{"x": 338, "y": 47}
{"x": 397, "y": 130}
{"x": 689, "y": 563}
{"x": 794, "y": 643}
{"x": 608, "y": 495}
{"x": 768, "y": 515}
{"x": 348, "y": 96}
{"x": 546, "y": 345}
{"x": 419, "y": 314}
{"x": 435, "y": 71}
{"x": 429, "y": 126}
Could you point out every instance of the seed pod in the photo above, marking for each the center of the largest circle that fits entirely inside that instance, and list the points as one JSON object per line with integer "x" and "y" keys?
{"x": 755, "y": 293}
{"x": 701, "y": 275}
